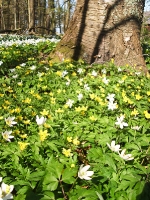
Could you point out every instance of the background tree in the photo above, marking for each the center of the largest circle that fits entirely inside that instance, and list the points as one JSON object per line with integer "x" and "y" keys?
{"x": 103, "y": 30}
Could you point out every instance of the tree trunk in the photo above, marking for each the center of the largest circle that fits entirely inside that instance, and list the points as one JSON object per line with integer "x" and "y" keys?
{"x": 31, "y": 13}
{"x": 101, "y": 30}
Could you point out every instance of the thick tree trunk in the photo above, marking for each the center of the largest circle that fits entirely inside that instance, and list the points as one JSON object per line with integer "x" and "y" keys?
{"x": 101, "y": 30}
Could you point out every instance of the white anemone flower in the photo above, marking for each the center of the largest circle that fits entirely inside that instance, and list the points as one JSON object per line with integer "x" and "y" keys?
{"x": 120, "y": 122}
{"x": 94, "y": 73}
{"x": 83, "y": 172}
{"x": 112, "y": 105}
{"x": 105, "y": 80}
{"x": 110, "y": 97}
{"x": 33, "y": 67}
{"x": 40, "y": 121}
{"x": 1, "y": 179}
{"x": 5, "y": 191}
{"x": 126, "y": 156}
{"x": 7, "y": 135}
{"x": 113, "y": 147}
{"x": 10, "y": 121}
{"x": 69, "y": 103}
{"x": 80, "y": 96}
{"x": 86, "y": 87}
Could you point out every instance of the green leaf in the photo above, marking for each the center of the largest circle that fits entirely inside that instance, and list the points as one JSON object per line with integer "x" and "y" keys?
{"x": 50, "y": 182}
{"x": 123, "y": 185}
{"x": 36, "y": 176}
{"x": 99, "y": 196}
{"x": 67, "y": 176}
{"x": 23, "y": 190}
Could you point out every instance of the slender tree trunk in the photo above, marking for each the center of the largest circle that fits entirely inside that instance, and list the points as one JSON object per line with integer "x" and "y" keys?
{"x": 101, "y": 30}
{"x": 31, "y": 13}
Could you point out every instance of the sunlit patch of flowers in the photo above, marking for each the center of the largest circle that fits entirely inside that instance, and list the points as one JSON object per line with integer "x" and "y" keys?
{"x": 60, "y": 119}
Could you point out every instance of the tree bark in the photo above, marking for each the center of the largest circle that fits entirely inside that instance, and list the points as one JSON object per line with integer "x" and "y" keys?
{"x": 101, "y": 30}
{"x": 31, "y": 13}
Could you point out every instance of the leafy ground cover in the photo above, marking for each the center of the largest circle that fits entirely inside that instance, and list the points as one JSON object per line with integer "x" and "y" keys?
{"x": 73, "y": 131}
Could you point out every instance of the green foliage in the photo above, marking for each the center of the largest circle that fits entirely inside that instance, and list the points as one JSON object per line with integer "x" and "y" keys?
{"x": 42, "y": 161}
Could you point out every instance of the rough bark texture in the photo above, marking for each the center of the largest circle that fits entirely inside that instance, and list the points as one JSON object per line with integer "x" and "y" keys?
{"x": 104, "y": 29}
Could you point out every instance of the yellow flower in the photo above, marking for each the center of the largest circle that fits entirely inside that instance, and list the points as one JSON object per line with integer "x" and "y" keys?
{"x": 78, "y": 109}
{"x": 24, "y": 136}
{"x": 69, "y": 139}
{"x": 148, "y": 93}
{"x": 67, "y": 152}
{"x": 31, "y": 92}
{"x": 1, "y": 95}
{"x": 147, "y": 115}
{"x": 76, "y": 141}
{"x": 22, "y": 145}
{"x": 43, "y": 135}
{"x": 132, "y": 93}
{"x": 7, "y": 102}
{"x": 17, "y": 132}
{"x": 11, "y": 111}
{"x": 138, "y": 97}
{"x": 17, "y": 110}
{"x": 37, "y": 96}
{"x": 72, "y": 165}
{"x": 134, "y": 112}
{"x": 27, "y": 100}
{"x": 92, "y": 118}
{"x": 44, "y": 112}
{"x": 44, "y": 87}
{"x": 92, "y": 96}
{"x": 1, "y": 117}
{"x": 26, "y": 121}
{"x": 59, "y": 73}
{"x": 59, "y": 110}
{"x": 74, "y": 74}
{"x": 20, "y": 83}
{"x": 46, "y": 125}
{"x": 51, "y": 94}
{"x": 59, "y": 91}
{"x": 129, "y": 101}
{"x": 20, "y": 118}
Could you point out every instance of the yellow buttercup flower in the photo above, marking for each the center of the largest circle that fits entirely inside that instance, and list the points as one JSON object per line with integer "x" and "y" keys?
{"x": 43, "y": 135}
{"x": 17, "y": 110}
{"x": 147, "y": 115}
{"x": 74, "y": 74}
{"x": 22, "y": 145}
{"x": 59, "y": 110}
{"x": 69, "y": 139}
{"x": 134, "y": 112}
{"x": 76, "y": 141}
{"x": 27, "y": 100}
{"x": 138, "y": 97}
{"x": 46, "y": 125}
{"x": 72, "y": 165}
{"x": 1, "y": 95}
{"x": 24, "y": 136}
{"x": 92, "y": 96}
{"x": 59, "y": 73}
{"x": 26, "y": 121}
{"x": 92, "y": 118}
{"x": 44, "y": 112}
{"x": 148, "y": 93}
{"x": 7, "y": 102}
{"x": 67, "y": 152}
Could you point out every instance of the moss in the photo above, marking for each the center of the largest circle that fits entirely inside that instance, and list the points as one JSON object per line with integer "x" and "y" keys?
{"x": 66, "y": 51}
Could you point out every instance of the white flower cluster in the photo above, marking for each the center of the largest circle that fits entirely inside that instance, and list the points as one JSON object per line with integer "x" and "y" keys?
{"x": 5, "y": 191}
{"x": 116, "y": 148}
{"x": 111, "y": 104}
